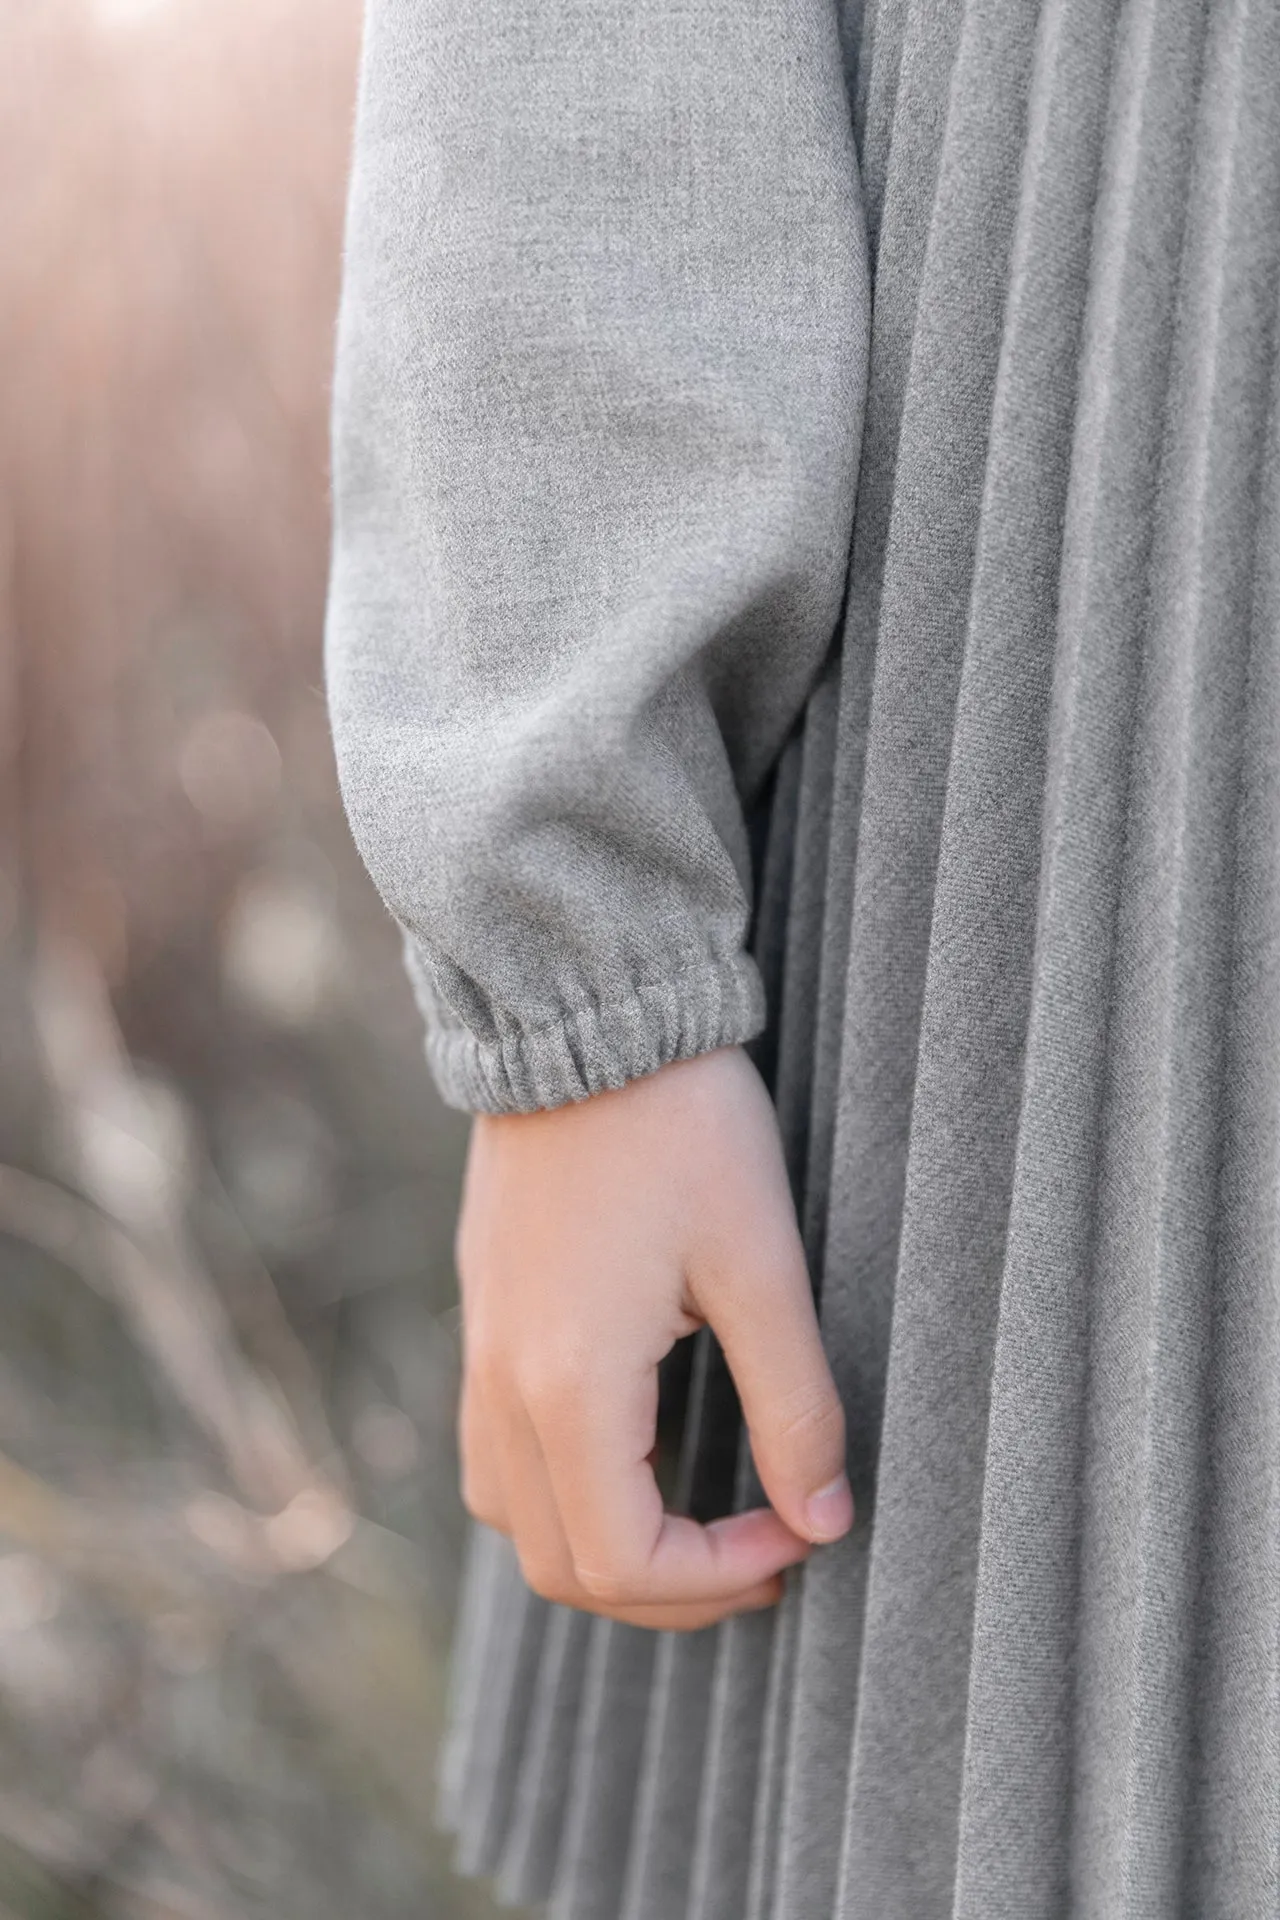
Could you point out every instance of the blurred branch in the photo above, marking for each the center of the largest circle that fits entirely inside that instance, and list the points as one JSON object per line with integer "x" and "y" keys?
{"x": 128, "y": 1147}
{"x": 33, "y": 1891}
{"x": 219, "y": 1686}
{"x": 34, "y": 1514}
{"x": 68, "y": 1536}
{"x": 258, "y": 1312}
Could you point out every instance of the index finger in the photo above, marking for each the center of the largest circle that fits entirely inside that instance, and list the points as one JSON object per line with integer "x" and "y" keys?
{"x": 596, "y": 1429}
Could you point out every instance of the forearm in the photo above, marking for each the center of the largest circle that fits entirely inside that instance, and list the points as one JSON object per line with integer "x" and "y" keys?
{"x": 599, "y": 378}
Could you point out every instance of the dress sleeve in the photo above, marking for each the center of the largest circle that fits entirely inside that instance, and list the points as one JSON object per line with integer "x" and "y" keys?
{"x": 598, "y": 400}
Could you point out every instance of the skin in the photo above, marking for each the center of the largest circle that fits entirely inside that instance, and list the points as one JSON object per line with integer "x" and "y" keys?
{"x": 591, "y": 1238}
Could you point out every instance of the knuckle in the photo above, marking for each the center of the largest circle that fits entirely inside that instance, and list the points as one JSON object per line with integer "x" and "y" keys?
{"x": 813, "y": 1420}
{"x": 546, "y": 1576}
{"x": 550, "y": 1386}
{"x": 611, "y": 1586}
{"x": 483, "y": 1369}
{"x": 482, "y": 1505}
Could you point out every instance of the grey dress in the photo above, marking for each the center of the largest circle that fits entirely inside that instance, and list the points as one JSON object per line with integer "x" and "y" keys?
{"x": 807, "y": 572}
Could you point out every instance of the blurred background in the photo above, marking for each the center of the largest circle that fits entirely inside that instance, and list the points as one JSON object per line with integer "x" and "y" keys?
{"x": 229, "y": 1526}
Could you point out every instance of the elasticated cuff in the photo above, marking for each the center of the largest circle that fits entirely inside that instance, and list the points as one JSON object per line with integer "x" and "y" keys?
{"x": 719, "y": 1003}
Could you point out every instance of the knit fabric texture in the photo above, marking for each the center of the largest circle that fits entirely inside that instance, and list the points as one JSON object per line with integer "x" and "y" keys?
{"x": 600, "y": 375}
{"x": 870, "y": 413}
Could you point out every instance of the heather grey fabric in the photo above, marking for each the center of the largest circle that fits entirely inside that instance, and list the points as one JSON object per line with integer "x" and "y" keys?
{"x": 1017, "y": 917}
{"x": 601, "y": 361}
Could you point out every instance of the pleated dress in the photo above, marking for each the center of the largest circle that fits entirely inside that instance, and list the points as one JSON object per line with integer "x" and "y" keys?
{"x": 1018, "y": 918}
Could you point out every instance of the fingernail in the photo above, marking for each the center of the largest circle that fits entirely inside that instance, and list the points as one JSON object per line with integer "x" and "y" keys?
{"x": 829, "y": 1512}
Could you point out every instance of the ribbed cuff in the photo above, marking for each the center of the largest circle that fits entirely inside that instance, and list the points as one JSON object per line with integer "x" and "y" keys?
{"x": 719, "y": 1003}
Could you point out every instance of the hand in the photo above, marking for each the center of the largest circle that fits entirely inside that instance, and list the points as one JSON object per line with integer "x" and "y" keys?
{"x": 591, "y": 1238}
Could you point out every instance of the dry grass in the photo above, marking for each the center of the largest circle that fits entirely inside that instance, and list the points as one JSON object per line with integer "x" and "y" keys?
{"x": 228, "y": 1524}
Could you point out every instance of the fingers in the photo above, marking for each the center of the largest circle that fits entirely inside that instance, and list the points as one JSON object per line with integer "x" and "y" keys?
{"x": 591, "y": 1238}
{"x": 530, "y": 1513}
{"x": 764, "y": 1317}
{"x": 564, "y": 1465}
{"x": 595, "y": 1434}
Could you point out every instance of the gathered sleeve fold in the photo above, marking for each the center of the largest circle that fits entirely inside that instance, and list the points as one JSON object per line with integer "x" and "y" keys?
{"x": 601, "y": 360}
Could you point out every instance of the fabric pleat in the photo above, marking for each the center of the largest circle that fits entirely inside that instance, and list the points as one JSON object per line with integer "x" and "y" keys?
{"x": 1160, "y": 1209}
{"x": 722, "y": 1858}
{"x": 1016, "y": 1787}
{"x": 527, "y": 1867}
{"x": 993, "y": 661}
{"x": 1018, "y": 918}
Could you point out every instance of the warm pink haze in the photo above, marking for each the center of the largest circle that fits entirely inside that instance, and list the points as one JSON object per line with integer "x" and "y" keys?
{"x": 228, "y": 1512}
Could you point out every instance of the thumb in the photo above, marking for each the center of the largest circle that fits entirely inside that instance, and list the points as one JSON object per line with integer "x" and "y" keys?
{"x": 763, "y": 1316}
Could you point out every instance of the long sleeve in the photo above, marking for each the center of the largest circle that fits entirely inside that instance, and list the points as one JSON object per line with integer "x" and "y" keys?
{"x": 598, "y": 400}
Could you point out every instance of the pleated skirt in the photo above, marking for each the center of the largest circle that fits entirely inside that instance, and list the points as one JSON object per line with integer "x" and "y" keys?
{"x": 1019, "y": 919}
